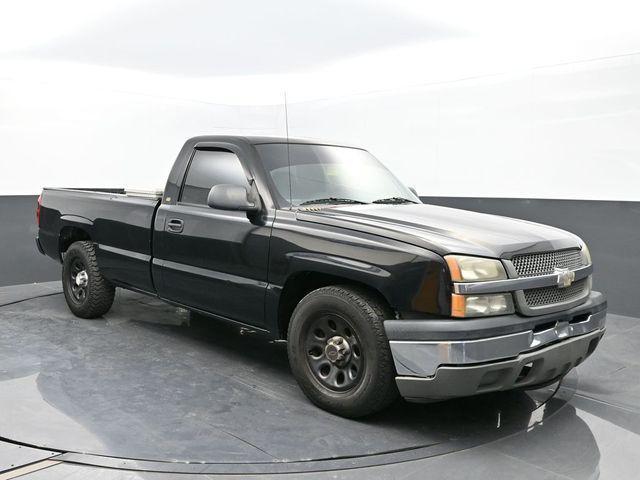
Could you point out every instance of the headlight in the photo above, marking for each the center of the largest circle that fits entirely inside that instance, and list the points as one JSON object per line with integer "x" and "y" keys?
{"x": 586, "y": 255}
{"x": 474, "y": 269}
{"x": 481, "y": 305}
{"x": 477, "y": 269}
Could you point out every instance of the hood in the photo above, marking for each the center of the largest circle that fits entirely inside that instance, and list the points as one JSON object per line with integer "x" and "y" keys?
{"x": 446, "y": 230}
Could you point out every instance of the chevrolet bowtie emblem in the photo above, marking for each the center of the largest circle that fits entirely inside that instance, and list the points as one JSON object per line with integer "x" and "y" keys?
{"x": 565, "y": 277}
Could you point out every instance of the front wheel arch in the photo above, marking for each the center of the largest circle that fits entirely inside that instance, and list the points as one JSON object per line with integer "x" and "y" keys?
{"x": 298, "y": 285}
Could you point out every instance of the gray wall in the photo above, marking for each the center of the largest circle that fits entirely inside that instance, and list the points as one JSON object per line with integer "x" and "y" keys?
{"x": 20, "y": 261}
{"x": 611, "y": 229}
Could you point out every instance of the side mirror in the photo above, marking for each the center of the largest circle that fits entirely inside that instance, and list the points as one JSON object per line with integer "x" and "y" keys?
{"x": 414, "y": 191}
{"x": 234, "y": 197}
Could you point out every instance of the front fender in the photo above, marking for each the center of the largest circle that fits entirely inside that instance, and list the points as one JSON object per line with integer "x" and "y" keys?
{"x": 330, "y": 264}
{"x": 413, "y": 280}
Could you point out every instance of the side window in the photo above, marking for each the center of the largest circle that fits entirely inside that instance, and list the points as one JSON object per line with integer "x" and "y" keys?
{"x": 209, "y": 168}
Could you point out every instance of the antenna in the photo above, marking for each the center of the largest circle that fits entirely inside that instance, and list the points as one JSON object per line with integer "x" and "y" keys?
{"x": 286, "y": 123}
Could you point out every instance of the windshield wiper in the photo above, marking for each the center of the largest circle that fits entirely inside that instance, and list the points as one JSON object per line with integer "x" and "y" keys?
{"x": 394, "y": 200}
{"x": 332, "y": 200}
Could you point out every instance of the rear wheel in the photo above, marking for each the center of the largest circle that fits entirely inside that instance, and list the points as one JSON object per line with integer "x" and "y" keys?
{"x": 339, "y": 352}
{"x": 87, "y": 292}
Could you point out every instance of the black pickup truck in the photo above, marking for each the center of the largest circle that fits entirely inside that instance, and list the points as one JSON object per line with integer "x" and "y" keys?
{"x": 320, "y": 245}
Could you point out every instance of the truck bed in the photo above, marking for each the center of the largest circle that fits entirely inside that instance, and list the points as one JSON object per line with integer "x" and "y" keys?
{"x": 120, "y": 220}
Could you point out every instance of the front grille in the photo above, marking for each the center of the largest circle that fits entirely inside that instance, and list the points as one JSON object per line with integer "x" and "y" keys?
{"x": 535, "y": 264}
{"x": 544, "y": 263}
{"x": 538, "y": 297}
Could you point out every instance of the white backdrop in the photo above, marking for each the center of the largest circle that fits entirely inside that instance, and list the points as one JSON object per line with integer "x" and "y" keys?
{"x": 570, "y": 131}
{"x": 460, "y": 98}
{"x": 94, "y": 128}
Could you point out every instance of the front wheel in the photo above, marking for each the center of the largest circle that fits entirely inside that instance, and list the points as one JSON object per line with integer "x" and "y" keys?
{"x": 339, "y": 352}
{"x": 87, "y": 292}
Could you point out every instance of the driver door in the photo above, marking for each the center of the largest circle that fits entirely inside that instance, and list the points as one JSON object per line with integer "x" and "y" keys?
{"x": 210, "y": 259}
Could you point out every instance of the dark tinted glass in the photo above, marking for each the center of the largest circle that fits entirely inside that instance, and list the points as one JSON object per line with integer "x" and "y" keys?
{"x": 209, "y": 168}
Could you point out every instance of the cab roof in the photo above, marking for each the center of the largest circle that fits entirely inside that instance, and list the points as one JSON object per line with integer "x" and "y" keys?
{"x": 261, "y": 140}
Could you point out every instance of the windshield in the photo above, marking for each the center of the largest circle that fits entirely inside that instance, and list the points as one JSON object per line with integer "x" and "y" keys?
{"x": 328, "y": 174}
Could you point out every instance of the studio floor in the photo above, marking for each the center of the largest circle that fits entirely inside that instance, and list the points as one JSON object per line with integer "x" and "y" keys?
{"x": 152, "y": 392}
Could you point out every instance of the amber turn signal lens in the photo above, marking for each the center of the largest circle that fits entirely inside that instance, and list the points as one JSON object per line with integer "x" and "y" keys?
{"x": 454, "y": 268}
{"x": 458, "y": 305}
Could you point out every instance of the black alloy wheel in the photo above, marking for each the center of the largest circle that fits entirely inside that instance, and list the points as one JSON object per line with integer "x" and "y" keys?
{"x": 339, "y": 352}
{"x": 78, "y": 281}
{"x": 333, "y": 352}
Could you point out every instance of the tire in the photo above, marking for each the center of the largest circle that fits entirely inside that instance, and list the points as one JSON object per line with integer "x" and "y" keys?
{"x": 364, "y": 362}
{"x": 96, "y": 297}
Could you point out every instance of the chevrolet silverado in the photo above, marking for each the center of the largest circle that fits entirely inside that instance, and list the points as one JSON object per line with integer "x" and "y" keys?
{"x": 375, "y": 293}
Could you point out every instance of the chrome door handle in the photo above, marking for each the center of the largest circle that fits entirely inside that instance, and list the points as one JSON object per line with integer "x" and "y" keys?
{"x": 175, "y": 225}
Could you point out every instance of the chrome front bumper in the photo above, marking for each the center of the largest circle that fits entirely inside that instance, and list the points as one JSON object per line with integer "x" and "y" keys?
{"x": 526, "y": 370}
{"x": 422, "y": 365}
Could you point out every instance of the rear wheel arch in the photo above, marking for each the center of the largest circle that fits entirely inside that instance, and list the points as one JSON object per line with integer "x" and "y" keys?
{"x": 70, "y": 234}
